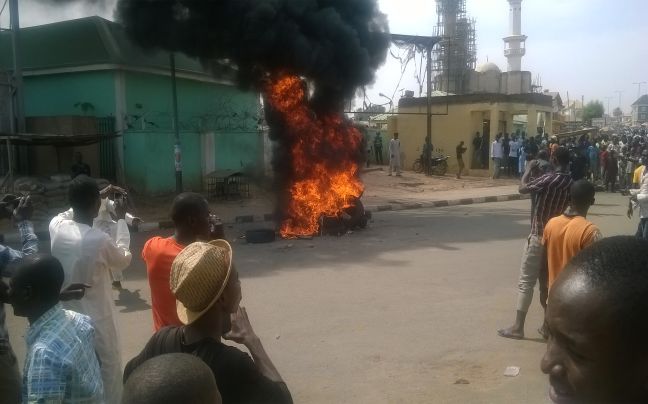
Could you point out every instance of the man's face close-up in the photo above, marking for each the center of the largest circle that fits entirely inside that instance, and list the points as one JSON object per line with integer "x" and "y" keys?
{"x": 587, "y": 359}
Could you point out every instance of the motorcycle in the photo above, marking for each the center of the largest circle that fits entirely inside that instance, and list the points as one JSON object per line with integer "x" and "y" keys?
{"x": 437, "y": 164}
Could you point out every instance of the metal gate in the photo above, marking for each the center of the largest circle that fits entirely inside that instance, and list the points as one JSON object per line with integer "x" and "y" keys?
{"x": 107, "y": 149}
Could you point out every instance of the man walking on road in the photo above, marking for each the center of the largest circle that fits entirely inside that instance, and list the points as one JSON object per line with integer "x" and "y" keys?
{"x": 461, "y": 149}
{"x": 394, "y": 156}
{"x": 552, "y": 198}
{"x": 497, "y": 153}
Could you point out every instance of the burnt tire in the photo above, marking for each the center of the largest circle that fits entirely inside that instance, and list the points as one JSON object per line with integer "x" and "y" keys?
{"x": 259, "y": 236}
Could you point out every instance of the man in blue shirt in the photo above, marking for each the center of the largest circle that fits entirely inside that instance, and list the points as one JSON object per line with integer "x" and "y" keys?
{"x": 10, "y": 376}
{"x": 61, "y": 365}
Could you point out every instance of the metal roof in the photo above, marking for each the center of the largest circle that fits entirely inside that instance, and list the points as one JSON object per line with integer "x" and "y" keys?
{"x": 87, "y": 41}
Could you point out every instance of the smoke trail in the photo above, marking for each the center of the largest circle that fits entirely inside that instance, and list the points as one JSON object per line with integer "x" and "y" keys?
{"x": 337, "y": 44}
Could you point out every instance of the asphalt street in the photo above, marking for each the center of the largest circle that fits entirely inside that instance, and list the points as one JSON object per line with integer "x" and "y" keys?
{"x": 403, "y": 312}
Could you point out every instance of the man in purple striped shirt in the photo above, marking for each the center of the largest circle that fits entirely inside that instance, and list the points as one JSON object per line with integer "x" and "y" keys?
{"x": 551, "y": 192}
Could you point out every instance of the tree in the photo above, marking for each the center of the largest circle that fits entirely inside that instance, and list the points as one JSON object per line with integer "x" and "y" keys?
{"x": 593, "y": 109}
{"x": 617, "y": 113}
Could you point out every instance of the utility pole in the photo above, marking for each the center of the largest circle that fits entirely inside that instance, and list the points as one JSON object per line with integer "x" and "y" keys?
{"x": 177, "y": 151}
{"x": 609, "y": 113}
{"x": 18, "y": 88}
{"x": 619, "y": 92}
{"x": 423, "y": 43}
{"x": 639, "y": 84}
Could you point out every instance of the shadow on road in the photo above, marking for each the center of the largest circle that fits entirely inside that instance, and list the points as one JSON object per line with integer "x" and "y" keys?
{"x": 131, "y": 301}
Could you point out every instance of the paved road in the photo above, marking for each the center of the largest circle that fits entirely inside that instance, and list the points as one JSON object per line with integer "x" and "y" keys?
{"x": 394, "y": 314}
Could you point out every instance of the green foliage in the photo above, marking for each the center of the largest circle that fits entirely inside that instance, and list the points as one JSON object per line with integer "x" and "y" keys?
{"x": 593, "y": 109}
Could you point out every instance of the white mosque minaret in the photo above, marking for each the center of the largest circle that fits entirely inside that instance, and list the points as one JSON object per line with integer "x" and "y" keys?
{"x": 515, "y": 43}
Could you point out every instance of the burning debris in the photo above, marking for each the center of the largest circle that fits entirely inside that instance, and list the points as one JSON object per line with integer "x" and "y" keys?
{"x": 324, "y": 158}
{"x": 307, "y": 57}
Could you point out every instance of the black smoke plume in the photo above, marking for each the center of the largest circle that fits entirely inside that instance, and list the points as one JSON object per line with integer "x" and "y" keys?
{"x": 336, "y": 44}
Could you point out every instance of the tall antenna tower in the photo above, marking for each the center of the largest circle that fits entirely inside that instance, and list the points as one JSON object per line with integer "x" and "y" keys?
{"x": 456, "y": 55}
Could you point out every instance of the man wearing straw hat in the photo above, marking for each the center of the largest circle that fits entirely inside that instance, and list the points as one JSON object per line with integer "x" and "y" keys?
{"x": 208, "y": 292}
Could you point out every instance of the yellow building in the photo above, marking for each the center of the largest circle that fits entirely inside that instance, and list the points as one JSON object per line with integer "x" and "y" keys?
{"x": 459, "y": 117}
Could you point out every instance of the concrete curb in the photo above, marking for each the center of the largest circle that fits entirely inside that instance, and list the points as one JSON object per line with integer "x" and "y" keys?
{"x": 268, "y": 217}
{"x": 164, "y": 225}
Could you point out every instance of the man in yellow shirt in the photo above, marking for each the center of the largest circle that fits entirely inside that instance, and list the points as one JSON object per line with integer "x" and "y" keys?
{"x": 566, "y": 235}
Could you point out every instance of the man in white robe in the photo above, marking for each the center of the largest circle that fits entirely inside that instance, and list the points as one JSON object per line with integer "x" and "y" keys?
{"x": 88, "y": 255}
{"x": 395, "y": 155}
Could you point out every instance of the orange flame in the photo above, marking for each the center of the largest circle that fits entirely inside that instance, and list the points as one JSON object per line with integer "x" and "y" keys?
{"x": 324, "y": 167}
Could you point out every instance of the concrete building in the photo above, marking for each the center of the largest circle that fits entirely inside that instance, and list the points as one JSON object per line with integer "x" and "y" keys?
{"x": 459, "y": 117}
{"x": 88, "y": 67}
{"x": 486, "y": 99}
{"x": 640, "y": 110}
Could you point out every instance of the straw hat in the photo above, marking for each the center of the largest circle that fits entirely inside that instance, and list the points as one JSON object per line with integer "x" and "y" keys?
{"x": 199, "y": 275}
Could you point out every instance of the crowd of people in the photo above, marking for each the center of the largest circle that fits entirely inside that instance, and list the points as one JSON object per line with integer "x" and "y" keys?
{"x": 73, "y": 350}
{"x": 592, "y": 290}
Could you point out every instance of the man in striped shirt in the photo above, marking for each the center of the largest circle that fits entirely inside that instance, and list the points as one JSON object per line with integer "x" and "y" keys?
{"x": 551, "y": 193}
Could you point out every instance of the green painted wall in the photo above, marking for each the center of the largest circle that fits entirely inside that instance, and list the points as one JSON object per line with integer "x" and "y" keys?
{"x": 225, "y": 111}
{"x": 203, "y": 108}
{"x": 148, "y": 158}
{"x": 56, "y": 94}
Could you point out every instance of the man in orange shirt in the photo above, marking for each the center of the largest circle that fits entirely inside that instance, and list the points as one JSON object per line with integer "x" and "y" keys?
{"x": 566, "y": 235}
{"x": 190, "y": 215}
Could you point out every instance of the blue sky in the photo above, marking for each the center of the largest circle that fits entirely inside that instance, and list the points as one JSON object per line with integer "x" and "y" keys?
{"x": 589, "y": 48}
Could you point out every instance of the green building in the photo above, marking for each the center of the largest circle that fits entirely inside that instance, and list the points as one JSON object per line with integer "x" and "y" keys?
{"x": 87, "y": 67}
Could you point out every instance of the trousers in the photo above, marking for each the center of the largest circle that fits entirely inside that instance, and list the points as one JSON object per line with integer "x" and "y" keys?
{"x": 10, "y": 382}
{"x": 529, "y": 271}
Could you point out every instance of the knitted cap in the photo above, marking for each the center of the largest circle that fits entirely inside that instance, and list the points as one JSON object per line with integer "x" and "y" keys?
{"x": 199, "y": 275}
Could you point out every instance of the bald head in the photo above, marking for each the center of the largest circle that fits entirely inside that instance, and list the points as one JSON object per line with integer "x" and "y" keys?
{"x": 596, "y": 319}
{"x": 172, "y": 379}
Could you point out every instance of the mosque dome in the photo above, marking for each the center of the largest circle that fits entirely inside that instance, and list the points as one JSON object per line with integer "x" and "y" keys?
{"x": 488, "y": 67}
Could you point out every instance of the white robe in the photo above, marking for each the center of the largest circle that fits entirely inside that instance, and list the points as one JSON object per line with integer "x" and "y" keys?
{"x": 88, "y": 255}
{"x": 394, "y": 153}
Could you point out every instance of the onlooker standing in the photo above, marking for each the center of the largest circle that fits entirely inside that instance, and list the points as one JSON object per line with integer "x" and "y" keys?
{"x": 593, "y": 156}
{"x": 514, "y": 149}
{"x": 460, "y": 152}
{"x": 61, "y": 365}
{"x": 552, "y": 198}
{"x": 394, "y": 155}
{"x": 603, "y": 157}
{"x": 639, "y": 197}
{"x": 497, "y": 153}
{"x": 596, "y": 315}
{"x": 207, "y": 287}
{"x": 190, "y": 215}
{"x": 88, "y": 255}
{"x": 172, "y": 378}
{"x": 9, "y": 374}
{"x": 566, "y": 235}
{"x": 611, "y": 171}
{"x": 378, "y": 148}
{"x": 477, "y": 151}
